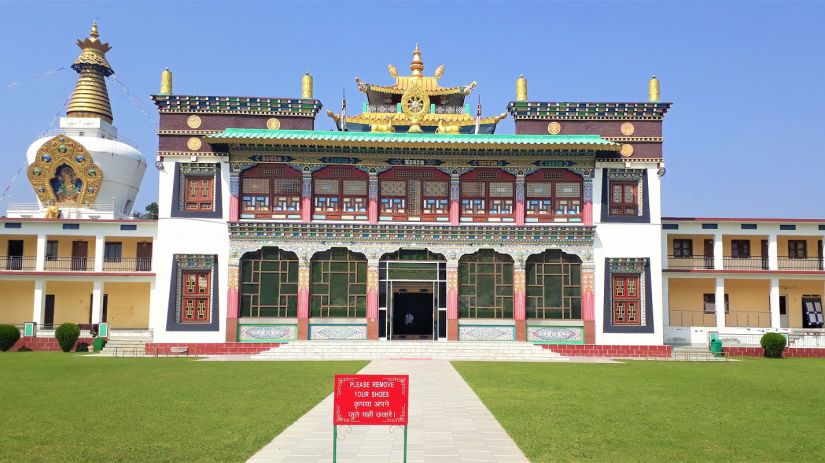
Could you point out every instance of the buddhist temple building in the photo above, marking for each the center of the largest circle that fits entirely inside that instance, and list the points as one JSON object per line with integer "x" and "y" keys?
{"x": 411, "y": 220}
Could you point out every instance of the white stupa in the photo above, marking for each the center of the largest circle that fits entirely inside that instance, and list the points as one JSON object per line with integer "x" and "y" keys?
{"x": 82, "y": 169}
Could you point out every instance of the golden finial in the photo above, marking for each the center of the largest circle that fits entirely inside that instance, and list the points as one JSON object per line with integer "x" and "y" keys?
{"x": 306, "y": 86}
{"x": 521, "y": 88}
{"x": 439, "y": 71}
{"x": 90, "y": 97}
{"x": 653, "y": 89}
{"x": 166, "y": 82}
{"x": 417, "y": 66}
{"x": 392, "y": 70}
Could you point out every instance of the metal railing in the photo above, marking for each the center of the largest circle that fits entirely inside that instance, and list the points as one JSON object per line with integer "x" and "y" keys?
{"x": 745, "y": 263}
{"x": 66, "y": 264}
{"x": 18, "y": 262}
{"x": 748, "y": 319}
{"x": 691, "y": 262}
{"x": 691, "y": 318}
{"x": 805, "y": 263}
{"x": 127, "y": 264}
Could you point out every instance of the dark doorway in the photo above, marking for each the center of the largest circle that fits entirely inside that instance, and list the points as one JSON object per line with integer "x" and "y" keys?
{"x": 708, "y": 254}
{"x": 412, "y": 316}
{"x": 80, "y": 251}
{"x": 15, "y": 255}
{"x": 48, "y": 318}
{"x": 144, "y": 257}
{"x": 104, "y": 316}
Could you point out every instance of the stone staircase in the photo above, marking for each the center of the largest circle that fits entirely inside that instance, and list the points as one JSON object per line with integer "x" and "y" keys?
{"x": 410, "y": 350}
{"x": 695, "y": 353}
{"x": 127, "y": 344}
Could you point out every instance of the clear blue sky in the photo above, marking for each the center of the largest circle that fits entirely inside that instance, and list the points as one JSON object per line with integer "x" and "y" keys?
{"x": 745, "y": 136}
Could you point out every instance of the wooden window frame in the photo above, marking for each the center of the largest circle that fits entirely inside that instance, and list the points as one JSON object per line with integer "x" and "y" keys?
{"x": 623, "y": 301}
{"x": 333, "y": 173}
{"x": 554, "y": 177}
{"x": 411, "y": 176}
{"x": 271, "y": 173}
{"x": 484, "y": 213}
{"x": 795, "y": 251}
{"x": 200, "y": 300}
{"x": 738, "y": 246}
{"x": 199, "y": 202}
{"x": 623, "y": 207}
{"x": 679, "y": 248}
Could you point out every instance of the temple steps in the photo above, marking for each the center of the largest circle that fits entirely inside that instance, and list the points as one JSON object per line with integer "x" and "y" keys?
{"x": 126, "y": 346}
{"x": 399, "y": 350}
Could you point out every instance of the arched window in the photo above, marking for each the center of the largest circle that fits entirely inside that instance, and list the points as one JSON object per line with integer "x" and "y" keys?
{"x": 553, "y": 285}
{"x": 414, "y": 194}
{"x": 340, "y": 193}
{"x": 487, "y": 195}
{"x": 553, "y": 195}
{"x": 485, "y": 285}
{"x": 270, "y": 191}
{"x": 269, "y": 283}
{"x": 338, "y": 286}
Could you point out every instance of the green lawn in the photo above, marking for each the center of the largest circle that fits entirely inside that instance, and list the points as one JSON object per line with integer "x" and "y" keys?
{"x": 753, "y": 410}
{"x": 63, "y": 407}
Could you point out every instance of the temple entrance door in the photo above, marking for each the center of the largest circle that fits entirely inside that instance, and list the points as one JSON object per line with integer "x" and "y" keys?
{"x": 412, "y": 313}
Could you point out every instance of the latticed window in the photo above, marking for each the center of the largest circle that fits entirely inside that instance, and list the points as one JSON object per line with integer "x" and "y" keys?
{"x": 485, "y": 285}
{"x": 414, "y": 192}
{"x": 623, "y": 198}
{"x": 626, "y": 300}
{"x": 553, "y": 194}
{"x": 198, "y": 196}
{"x": 195, "y": 297}
{"x": 553, "y": 285}
{"x": 267, "y": 189}
{"x": 340, "y": 192}
{"x": 487, "y": 192}
{"x": 338, "y": 286}
{"x": 269, "y": 284}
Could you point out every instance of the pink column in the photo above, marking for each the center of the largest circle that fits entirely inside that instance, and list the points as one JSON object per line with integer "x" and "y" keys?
{"x": 372, "y": 300}
{"x": 373, "y": 199}
{"x": 455, "y": 193}
{"x": 588, "y": 305}
{"x": 520, "y": 200}
{"x": 587, "y": 207}
{"x": 452, "y": 301}
{"x": 306, "y": 199}
{"x": 303, "y": 300}
{"x": 233, "y": 208}
{"x": 519, "y": 302}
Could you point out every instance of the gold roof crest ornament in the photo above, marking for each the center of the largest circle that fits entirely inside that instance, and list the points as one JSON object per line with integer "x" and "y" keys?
{"x": 90, "y": 97}
{"x": 64, "y": 173}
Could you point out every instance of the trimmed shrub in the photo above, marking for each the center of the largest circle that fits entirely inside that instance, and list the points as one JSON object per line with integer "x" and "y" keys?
{"x": 773, "y": 345}
{"x": 8, "y": 336}
{"x": 66, "y": 335}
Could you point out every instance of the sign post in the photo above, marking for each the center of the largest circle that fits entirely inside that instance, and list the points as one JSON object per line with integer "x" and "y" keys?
{"x": 370, "y": 400}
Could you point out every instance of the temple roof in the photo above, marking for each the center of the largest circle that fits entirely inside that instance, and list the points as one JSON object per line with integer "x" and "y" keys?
{"x": 584, "y": 110}
{"x": 236, "y": 104}
{"x": 578, "y": 142}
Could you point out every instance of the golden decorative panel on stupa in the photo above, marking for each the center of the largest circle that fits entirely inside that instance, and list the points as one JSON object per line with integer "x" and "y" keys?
{"x": 63, "y": 172}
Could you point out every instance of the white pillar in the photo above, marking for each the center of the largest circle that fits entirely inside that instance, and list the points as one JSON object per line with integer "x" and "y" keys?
{"x": 720, "y": 302}
{"x": 773, "y": 252}
{"x": 718, "y": 248}
{"x": 665, "y": 301}
{"x": 774, "y": 298}
{"x": 40, "y": 260}
{"x": 39, "y": 308}
{"x": 97, "y": 302}
{"x": 100, "y": 242}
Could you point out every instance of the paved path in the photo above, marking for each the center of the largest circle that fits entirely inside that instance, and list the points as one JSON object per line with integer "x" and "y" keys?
{"x": 448, "y": 423}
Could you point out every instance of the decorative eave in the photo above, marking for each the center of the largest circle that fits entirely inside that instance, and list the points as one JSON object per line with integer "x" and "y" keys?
{"x": 404, "y": 234}
{"x": 263, "y": 106}
{"x": 430, "y": 89}
{"x": 412, "y": 140}
{"x": 429, "y": 119}
{"x": 534, "y": 110}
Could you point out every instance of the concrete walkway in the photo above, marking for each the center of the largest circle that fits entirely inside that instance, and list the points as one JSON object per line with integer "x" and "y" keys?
{"x": 448, "y": 423}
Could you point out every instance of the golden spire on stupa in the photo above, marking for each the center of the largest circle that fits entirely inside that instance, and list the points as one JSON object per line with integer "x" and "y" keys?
{"x": 417, "y": 66}
{"x": 90, "y": 97}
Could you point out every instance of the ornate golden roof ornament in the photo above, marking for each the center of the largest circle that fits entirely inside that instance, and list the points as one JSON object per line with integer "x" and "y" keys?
{"x": 306, "y": 86}
{"x": 653, "y": 89}
{"x": 166, "y": 82}
{"x": 417, "y": 66}
{"x": 521, "y": 88}
{"x": 64, "y": 173}
{"x": 90, "y": 97}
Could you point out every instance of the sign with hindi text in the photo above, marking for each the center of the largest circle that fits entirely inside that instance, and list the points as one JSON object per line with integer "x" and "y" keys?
{"x": 371, "y": 400}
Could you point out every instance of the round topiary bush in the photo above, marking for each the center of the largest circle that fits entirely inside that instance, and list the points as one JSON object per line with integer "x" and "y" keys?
{"x": 8, "y": 336}
{"x": 773, "y": 345}
{"x": 67, "y": 335}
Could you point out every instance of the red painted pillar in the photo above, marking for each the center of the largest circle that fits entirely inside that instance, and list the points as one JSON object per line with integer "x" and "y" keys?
{"x": 455, "y": 193}
{"x": 303, "y": 302}
{"x": 306, "y": 199}
{"x": 233, "y": 208}
{"x": 452, "y": 301}
{"x": 588, "y": 306}
{"x": 520, "y": 200}
{"x": 372, "y": 214}
{"x": 372, "y": 301}
{"x": 519, "y": 302}
{"x": 232, "y": 302}
{"x": 587, "y": 199}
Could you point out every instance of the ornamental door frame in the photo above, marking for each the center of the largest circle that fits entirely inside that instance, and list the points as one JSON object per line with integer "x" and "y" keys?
{"x": 388, "y": 285}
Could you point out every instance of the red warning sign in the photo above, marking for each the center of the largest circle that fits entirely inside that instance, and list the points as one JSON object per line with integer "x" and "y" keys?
{"x": 371, "y": 400}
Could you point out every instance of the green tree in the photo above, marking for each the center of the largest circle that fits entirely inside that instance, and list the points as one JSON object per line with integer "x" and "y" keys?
{"x": 151, "y": 211}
